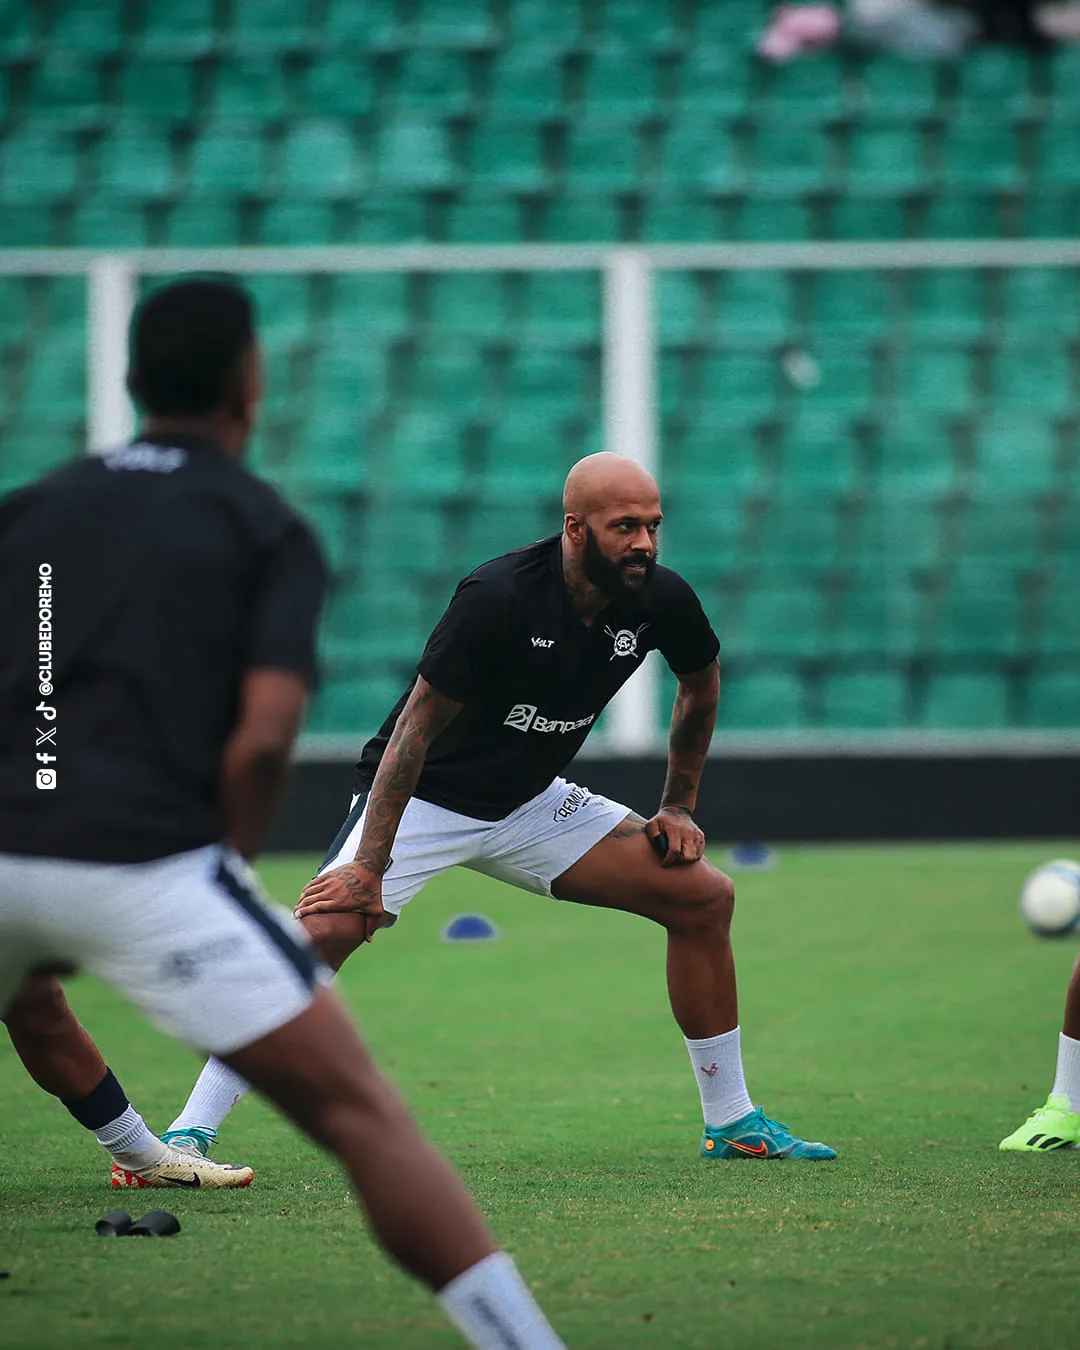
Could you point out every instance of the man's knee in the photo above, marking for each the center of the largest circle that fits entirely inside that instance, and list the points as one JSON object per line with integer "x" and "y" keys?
{"x": 335, "y": 936}
{"x": 39, "y": 1008}
{"x": 707, "y": 902}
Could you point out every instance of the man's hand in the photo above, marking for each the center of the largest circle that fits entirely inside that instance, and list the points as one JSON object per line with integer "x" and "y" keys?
{"x": 351, "y": 889}
{"x": 685, "y": 842}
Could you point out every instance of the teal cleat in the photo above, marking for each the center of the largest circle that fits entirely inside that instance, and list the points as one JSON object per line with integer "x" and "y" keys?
{"x": 756, "y": 1136}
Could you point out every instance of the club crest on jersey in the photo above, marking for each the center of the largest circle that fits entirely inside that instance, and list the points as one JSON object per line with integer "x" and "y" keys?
{"x": 625, "y": 640}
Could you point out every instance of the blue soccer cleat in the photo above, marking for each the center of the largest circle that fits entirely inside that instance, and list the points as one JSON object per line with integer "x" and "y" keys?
{"x": 756, "y": 1136}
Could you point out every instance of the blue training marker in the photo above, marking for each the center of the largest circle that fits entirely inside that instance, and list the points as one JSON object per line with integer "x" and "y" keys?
{"x": 752, "y": 857}
{"x": 470, "y": 928}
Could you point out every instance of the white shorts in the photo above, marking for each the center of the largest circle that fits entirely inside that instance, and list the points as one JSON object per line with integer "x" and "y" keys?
{"x": 189, "y": 939}
{"x": 529, "y": 848}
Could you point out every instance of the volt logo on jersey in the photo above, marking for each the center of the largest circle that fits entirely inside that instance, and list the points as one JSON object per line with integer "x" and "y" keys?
{"x": 524, "y": 717}
{"x": 543, "y": 642}
{"x": 625, "y": 640}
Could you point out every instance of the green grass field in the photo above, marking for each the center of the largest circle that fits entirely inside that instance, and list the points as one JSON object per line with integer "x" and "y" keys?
{"x": 891, "y": 1005}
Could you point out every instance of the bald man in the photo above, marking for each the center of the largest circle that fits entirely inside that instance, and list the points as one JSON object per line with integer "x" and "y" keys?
{"x": 467, "y": 770}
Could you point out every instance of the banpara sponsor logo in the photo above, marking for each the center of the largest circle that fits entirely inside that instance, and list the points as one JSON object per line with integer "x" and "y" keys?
{"x": 525, "y": 717}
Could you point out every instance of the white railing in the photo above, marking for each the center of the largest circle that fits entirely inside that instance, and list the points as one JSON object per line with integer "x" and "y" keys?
{"x": 629, "y": 414}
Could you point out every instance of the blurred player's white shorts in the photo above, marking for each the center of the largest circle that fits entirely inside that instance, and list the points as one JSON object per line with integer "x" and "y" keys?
{"x": 189, "y": 939}
{"x": 529, "y": 848}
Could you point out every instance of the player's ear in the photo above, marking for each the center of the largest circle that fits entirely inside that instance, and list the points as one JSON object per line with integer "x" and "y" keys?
{"x": 574, "y": 526}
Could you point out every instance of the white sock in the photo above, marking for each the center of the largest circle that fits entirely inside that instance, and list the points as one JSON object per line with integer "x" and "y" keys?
{"x": 1067, "y": 1078}
{"x": 217, "y": 1090}
{"x": 718, "y": 1069}
{"x": 129, "y": 1140}
{"x": 491, "y": 1306}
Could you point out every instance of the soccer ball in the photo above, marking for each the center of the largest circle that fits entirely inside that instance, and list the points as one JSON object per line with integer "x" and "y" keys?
{"x": 1050, "y": 900}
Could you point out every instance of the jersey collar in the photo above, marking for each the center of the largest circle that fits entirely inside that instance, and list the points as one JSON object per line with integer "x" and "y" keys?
{"x": 183, "y": 440}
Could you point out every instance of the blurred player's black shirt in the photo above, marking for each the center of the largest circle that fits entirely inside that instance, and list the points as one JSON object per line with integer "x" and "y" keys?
{"x": 174, "y": 571}
{"x": 532, "y": 677}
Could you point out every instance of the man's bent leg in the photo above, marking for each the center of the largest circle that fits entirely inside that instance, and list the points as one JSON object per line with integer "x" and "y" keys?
{"x": 1056, "y": 1124}
{"x": 317, "y": 1070}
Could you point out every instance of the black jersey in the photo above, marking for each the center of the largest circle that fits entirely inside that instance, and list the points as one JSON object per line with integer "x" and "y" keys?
{"x": 137, "y": 589}
{"x": 533, "y": 678}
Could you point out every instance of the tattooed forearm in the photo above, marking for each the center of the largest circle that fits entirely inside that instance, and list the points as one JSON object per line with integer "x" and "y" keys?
{"x": 692, "y": 721}
{"x": 426, "y": 714}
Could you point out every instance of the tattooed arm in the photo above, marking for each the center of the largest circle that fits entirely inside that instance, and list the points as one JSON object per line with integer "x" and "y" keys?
{"x": 356, "y": 887}
{"x": 692, "y": 721}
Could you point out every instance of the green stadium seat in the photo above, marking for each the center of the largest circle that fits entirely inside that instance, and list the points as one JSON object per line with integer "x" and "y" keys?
{"x": 320, "y": 161}
{"x": 702, "y": 537}
{"x": 845, "y": 376}
{"x": 980, "y": 612}
{"x": 1065, "y": 82}
{"x": 424, "y": 450}
{"x": 934, "y": 377}
{"x": 249, "y": 86}
{"x": 754, "y": 305}
{"x": 818, "y": 450}
{"x": 283, "y": 304}
{"x": 15, "y": 300}
{"x": 53, "y": 389}
{"x": 19, "y": 30}
{"x": 102, "y": 222}
{"x": 448, "y": 378}
{"x": 545, "y": 386}
{"x": 981, "y": 150}
{"x": 885, "y": 156}
{"x": 867, "y": 218}
{"x": 561, "y": 308}
{"x": 67, "y": 86}
{"x": 915, "y": 452}
{"x": 389, "y": 621}
{"x": 346, "y": 705}
{"x": 578, "y": 217}
{"x": 771, "y": 220}
{"x": 372, "y": 304}
{"x": 496, "y": 526}
{"x": 963, "y": 702}
{"x": 699, "y": 154}
{"x": 856, "y": 302}
{"x": 227, "y": 159}
{"x": 337, "y": 85}
{"x": 656, "y": 25}
{"x": 268, "y": 25}
{"x": 739, "y": 382}
{"x": 808, "y": 90}
{"x": 603, "y": 153}
{"x": 169, "y": 29}
{"x": 801, "y": 529}
{"x": 962, "y": 213}
{"x": 527, "y": 81}
{"x": 286, "y": 222}
{"x": 1042, "y": 299}
{"x": 900, "y": 524}
{"x": 391, "y": 218}
{"x": 715, "y": 459}
{"x": 484, "y": 218}
{"x": 537, "y": 20}
{"x": 714, "y": 80}
{"x": 864, "y": 700}
{"x": 1050, "y": 212}
{"x": 1000, "y": 526}
{"x": 893, "y": 88}
{"x": 77, "y": 26}
{"x": 454, "y": 23}
{"x": 523, "y": 456}
{"x": 878, "y": 615}
{"x": 471, "y": 305}
{"x": 331, "y": 460}
{"x": 994, "y": 79}
{"x": 1032, "y": 375}
{"x": 352, "y": 379}
{"x": 1015, "y": 452}
{"x": 947, "y": 303}
{"x": 158, "y": 88}
{"x": 762, "y": 700}
{"x": 779, "y": 617}
{"x": 413, "y": 153}
{"x": 509, "y": 155}
{"x": 1054, "y": 698}
{"x": 621, "y": 81}
{"x": 788, "y": 156}
{"x": 1059, "y": 632}
{"x": 38, "y": 164}
{"x": 680, "y": 305}
{"x": 433, "y": 82}
{"x": 136, "y": 161}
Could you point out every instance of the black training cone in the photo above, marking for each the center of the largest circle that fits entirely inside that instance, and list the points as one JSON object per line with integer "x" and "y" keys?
{"x": 158, "y": 1223}
{"x": 115, "y": 1224}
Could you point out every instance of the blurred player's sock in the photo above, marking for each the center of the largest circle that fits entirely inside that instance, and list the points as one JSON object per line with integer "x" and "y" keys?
{"x": 491, "y": 1306}
{"x": 1067, "y": 1079}
{"x": 718, "y": 1069}
{"x": 116, "y": 1125}
{"x": 217, "y": 1090}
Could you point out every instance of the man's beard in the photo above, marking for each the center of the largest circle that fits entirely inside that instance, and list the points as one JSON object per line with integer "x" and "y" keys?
{"x": 612, "y": 578}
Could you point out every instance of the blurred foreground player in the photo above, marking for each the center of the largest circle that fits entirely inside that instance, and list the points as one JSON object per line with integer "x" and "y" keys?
{"x": 467, "y": 769}
{"x": 1056, "y": 1124}
{"x": 182, "y": 597}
